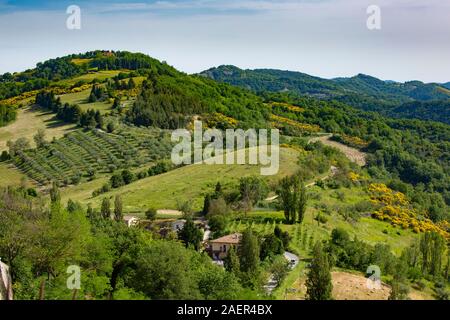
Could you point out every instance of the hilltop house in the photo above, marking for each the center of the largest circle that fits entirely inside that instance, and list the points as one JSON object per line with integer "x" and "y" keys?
{"x": 219, "y": 247}
{"x": 5, "y": 283}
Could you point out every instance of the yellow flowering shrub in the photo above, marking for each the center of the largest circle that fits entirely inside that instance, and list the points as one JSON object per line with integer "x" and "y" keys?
{"x": 32, "y": 94}
{"x": 279, "y": 122}
{"x": 287, "y": 106}
{"x": 354, "y": 141}
{"x": 219, "y": 120}
{"x": 395, "y": 208}
{"x": 354, "y": 177}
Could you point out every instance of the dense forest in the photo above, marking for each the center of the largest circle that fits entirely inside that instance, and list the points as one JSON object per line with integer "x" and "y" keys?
{"x": 361, "y": 91}
{"x": 433, "y": 110}
{"x": 168, "y": 101}
{"x": 418, "y": 156}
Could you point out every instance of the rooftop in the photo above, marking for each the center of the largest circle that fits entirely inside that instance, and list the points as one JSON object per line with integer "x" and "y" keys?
{"x": 231, "y": 238}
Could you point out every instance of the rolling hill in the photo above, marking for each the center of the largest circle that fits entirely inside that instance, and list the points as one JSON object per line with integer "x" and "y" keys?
{"x": 361, "y": 91}
{"x": 92, "y": 131}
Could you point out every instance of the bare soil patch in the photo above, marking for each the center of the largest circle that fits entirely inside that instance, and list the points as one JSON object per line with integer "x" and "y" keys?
{"x": 352, "y": 154}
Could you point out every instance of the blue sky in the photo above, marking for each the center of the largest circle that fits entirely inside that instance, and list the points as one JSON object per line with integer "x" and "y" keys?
{"x": 327, "y": 38}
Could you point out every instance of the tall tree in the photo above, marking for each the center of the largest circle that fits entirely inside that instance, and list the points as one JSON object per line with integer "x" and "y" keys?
{"x": 249, "y": 252}
{"x": 399, "y": 288}
{"x": 302, "y": 202}
{"x": 293, "y": 196}
{"x": 118, "y": 208}
{"x": 106, "y": 208}
{"x": 218, "y": 190}
{"x": 190, "y": 234}
{"x": 206, "y": 203}
{"x": 251, "y": 189}
{"x": 55, "y": 195}
{"x": 437, "y": 254}
{"x": 285, "y": 195}
{"x": 231, "y": 261}
{"x": 39, "y": 138}
{"x": 425, "y": 251}
{"x": 318, "y": 284}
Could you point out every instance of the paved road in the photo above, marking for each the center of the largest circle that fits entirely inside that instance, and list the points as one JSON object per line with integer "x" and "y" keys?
{"x": 271, "y": 282}
{"x": 292, "y": 258}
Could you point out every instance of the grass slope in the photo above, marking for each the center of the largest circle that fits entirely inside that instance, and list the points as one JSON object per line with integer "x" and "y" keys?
{"x": 29, "y": 121}
{"x": 81, "y": 98}
{"x": 186, "y": 183}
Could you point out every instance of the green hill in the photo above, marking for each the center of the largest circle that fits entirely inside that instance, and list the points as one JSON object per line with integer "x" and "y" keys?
{"x": 92, "y": 134}
{"x": 361, "y": 91}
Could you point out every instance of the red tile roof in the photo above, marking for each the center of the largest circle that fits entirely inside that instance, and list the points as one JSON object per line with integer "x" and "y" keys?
{"x": 231, "y": 238}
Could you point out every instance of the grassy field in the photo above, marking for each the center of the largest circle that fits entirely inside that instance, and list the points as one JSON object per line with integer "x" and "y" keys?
{"x": 10, "y": 175}
{"x": 99, "y": 75}
{"x": 304, "y": 236}
{"x": 81, "y": 98}
{"x": 29, "y": 120}
{"x": 186, "y": 183}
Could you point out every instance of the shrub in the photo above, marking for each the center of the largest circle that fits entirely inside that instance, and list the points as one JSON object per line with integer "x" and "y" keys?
{"x": 4, "y": 156}
{"x": 321, "y": 218}
{"x": 150, "y": 214}
{"x": 117, "y": 181}
{"x": 127, "y": 176}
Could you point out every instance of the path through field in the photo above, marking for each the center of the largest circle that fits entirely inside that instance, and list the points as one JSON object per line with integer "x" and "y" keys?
{"x": 352, "y": 154}
{"x": 169, "y": 212}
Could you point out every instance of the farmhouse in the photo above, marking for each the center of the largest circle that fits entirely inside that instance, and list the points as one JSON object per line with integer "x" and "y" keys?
{"x": 219, "y": 247}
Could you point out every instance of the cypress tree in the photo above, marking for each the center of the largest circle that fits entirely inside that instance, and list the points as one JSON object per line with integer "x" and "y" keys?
{"x": 55, "y": 195}
{"x": 118, "y": 214}
{"x": 106, "y": 209}
{"x": 249, "y": 252}
{"x": 206, "y": 204}
{"x": 318, "y": 284}
{"x": 231, "y": 262}
{"x": 302, "y": 202}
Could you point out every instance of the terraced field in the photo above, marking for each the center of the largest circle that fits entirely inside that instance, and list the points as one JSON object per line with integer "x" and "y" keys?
{"x": 84, "y": 154}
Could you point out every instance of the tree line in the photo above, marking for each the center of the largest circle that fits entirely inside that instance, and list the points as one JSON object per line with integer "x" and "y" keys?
{"x": 69, "y": 113}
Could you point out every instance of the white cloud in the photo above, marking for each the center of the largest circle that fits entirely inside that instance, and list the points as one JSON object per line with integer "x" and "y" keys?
{"x": 325, "y": 38}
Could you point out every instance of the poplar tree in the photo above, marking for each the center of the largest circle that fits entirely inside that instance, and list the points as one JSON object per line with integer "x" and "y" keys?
{"x": 118, "y": 207}
{"x": 106, "y": 209}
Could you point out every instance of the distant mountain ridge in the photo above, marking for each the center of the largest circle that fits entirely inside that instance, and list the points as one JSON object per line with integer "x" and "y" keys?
{"x": 361, "y": 91}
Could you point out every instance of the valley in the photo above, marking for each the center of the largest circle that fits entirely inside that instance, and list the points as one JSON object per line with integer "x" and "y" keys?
{"x": 87, "y": 179}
